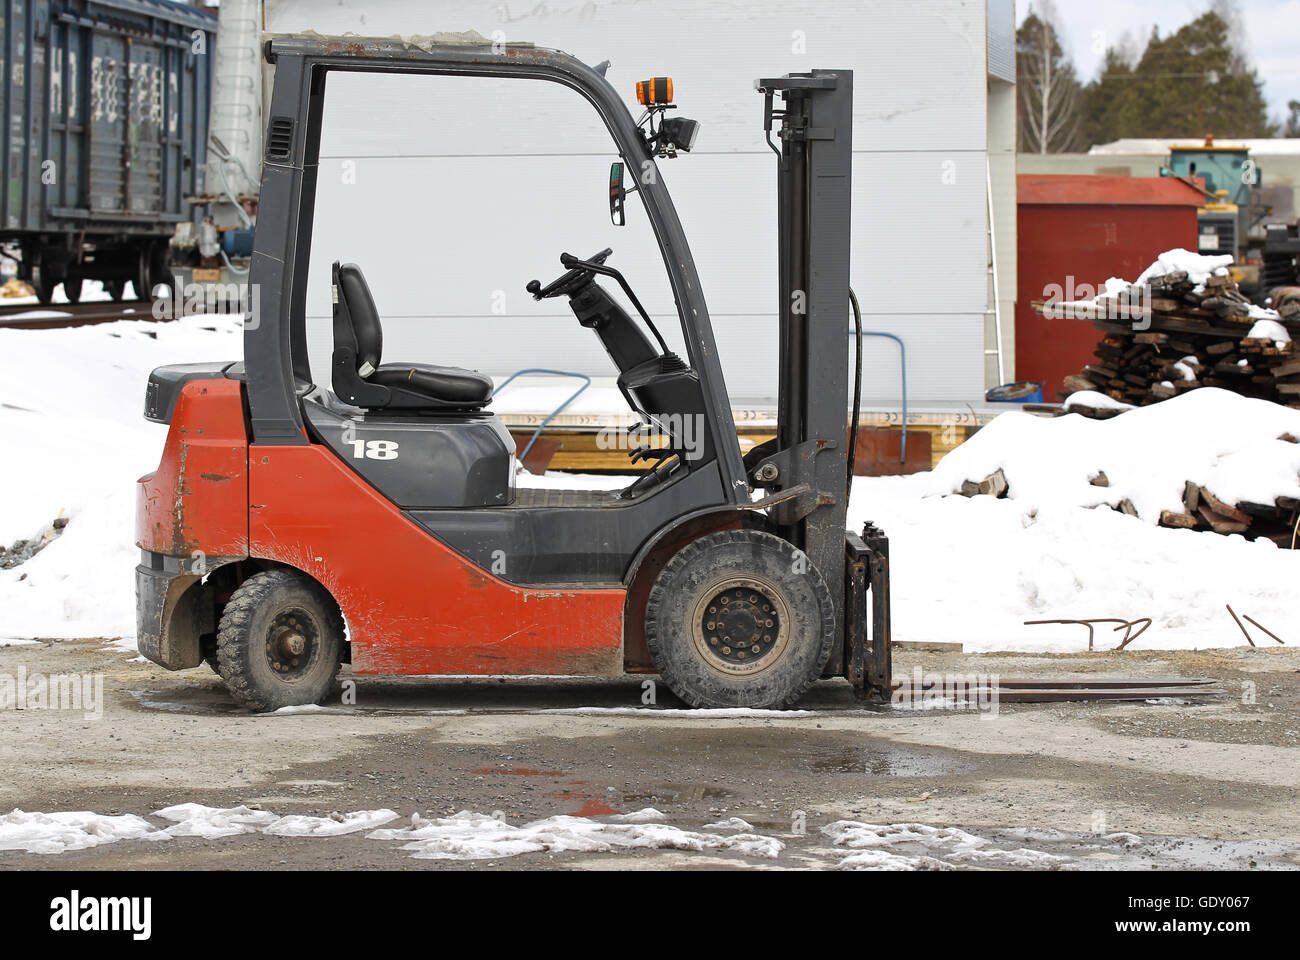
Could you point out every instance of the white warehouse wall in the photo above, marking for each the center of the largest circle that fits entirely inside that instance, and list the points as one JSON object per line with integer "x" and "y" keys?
{"x": 452, "y": 193}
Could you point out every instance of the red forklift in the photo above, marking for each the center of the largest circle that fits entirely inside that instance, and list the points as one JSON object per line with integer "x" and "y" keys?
{"x": 291, "y": 527}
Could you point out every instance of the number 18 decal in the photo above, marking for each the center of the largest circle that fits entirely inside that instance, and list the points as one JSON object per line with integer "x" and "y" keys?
{"x": 374, "y": 449}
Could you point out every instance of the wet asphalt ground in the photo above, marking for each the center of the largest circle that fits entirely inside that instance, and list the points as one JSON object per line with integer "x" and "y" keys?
{"x": 1204, "y": 784}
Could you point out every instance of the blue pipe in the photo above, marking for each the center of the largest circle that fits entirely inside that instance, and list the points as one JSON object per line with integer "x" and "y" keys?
{"x": 902, "y": 354}
{"x": 586, "y": 382}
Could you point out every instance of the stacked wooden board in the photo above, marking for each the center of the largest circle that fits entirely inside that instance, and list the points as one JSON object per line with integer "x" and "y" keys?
{"x": 1172, "y": 335}
{"x": 1202, "y": 510}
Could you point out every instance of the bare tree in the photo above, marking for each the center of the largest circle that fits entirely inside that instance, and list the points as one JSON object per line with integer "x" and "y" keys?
{"x": 1048, "y": 88}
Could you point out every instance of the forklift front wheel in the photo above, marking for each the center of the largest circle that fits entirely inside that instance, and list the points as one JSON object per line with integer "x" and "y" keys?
{"x": 280, "y": 642}
{"x": 740, "y": 618}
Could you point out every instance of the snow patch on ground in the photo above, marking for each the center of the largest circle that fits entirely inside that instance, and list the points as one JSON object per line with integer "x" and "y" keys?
{"x": 210, "y": 823}
{"x": 720, "y": 713}
{"x": 463, "y": 836}
{"x": 474, "y": 836}
{"x": 918, "y": 846}
{"x": 213, "y": 823}
{"x": 72, "y": 830}
{"x": 335, "y": 825}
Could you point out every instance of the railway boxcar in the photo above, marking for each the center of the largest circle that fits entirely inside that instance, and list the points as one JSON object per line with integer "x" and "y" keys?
{"x": 105, "y": 132}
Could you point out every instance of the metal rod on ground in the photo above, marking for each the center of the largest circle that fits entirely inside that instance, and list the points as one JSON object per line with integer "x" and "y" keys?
{"x": 1146, "y": 623}
{"x": 1125, "y": 625}
{"x": 1251, "y": 619}
{"x": 1244, "y": 632}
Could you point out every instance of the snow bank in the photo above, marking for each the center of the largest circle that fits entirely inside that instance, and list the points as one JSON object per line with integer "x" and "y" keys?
{"x": 972, "y": 570}
{"x": 71, "y": 413}
{"x": 1218, "y": 439}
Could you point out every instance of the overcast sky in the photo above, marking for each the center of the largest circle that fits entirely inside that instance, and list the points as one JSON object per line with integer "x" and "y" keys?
{"x": 1272, "y": 30}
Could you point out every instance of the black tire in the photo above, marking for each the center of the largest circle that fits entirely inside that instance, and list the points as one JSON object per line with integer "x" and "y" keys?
{"x": 43, "y": 285}
{"x": 151, "y": 271}
{"x": 257, "y": 653}
{"x": 72, "y": 287}
{"x": 775, "y": 644}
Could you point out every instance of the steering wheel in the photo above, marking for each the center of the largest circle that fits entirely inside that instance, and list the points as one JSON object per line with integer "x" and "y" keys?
{"x": 570, "y": 282}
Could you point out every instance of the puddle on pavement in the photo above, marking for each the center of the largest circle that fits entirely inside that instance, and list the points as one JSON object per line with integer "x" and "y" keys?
{"x": 200, "y": 700}
{"x": 680, "y": 792}
{"x": 888, "y": 761}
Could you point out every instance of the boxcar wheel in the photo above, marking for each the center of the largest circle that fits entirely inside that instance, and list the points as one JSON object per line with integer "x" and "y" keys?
{"x": 280, "y": 641}
{"x": 43, "y": 284}
{"x": 740, "y": 618}
{"x": 72, "y": 287}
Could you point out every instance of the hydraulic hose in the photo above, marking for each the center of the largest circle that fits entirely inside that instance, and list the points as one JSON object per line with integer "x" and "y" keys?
{"x": 857, "y": 395}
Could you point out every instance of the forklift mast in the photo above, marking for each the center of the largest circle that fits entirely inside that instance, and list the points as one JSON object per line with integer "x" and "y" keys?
{"x": 814, "y": 184}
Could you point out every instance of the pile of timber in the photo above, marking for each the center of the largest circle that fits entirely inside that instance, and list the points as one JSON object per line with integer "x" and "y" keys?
{"x": 1171, "y": 335}
{"x": 1202, "y": 510}
{"x": 1278, "y": 521}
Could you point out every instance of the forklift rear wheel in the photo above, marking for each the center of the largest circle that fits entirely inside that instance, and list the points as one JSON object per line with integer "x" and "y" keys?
{"x": 280, "y": 642}
{"x": 740, "y": 618}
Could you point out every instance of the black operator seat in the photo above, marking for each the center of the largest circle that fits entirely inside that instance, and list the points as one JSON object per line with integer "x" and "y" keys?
{"x": 362, "y": 380}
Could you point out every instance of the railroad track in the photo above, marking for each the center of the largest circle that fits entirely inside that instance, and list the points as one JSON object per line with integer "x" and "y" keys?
{"x": 13, "y": 316}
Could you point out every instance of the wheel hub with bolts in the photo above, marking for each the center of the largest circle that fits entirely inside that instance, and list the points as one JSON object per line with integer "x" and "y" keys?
{"x": 290, "y": 644}
{"x": 740, "y": 626}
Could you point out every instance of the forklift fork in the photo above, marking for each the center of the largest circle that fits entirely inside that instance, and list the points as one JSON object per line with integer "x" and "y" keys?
{"x": 868, "y": 634}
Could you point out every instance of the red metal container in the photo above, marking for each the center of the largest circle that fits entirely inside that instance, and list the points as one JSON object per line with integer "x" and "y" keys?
{"x": 1075, "y": 232}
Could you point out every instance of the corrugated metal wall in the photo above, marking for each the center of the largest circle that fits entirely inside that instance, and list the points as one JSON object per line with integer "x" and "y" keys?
{"x": 453, "y": 193}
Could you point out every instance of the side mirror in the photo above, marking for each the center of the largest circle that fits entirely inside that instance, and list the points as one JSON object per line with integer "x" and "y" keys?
{"x": 617, "y": 195}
